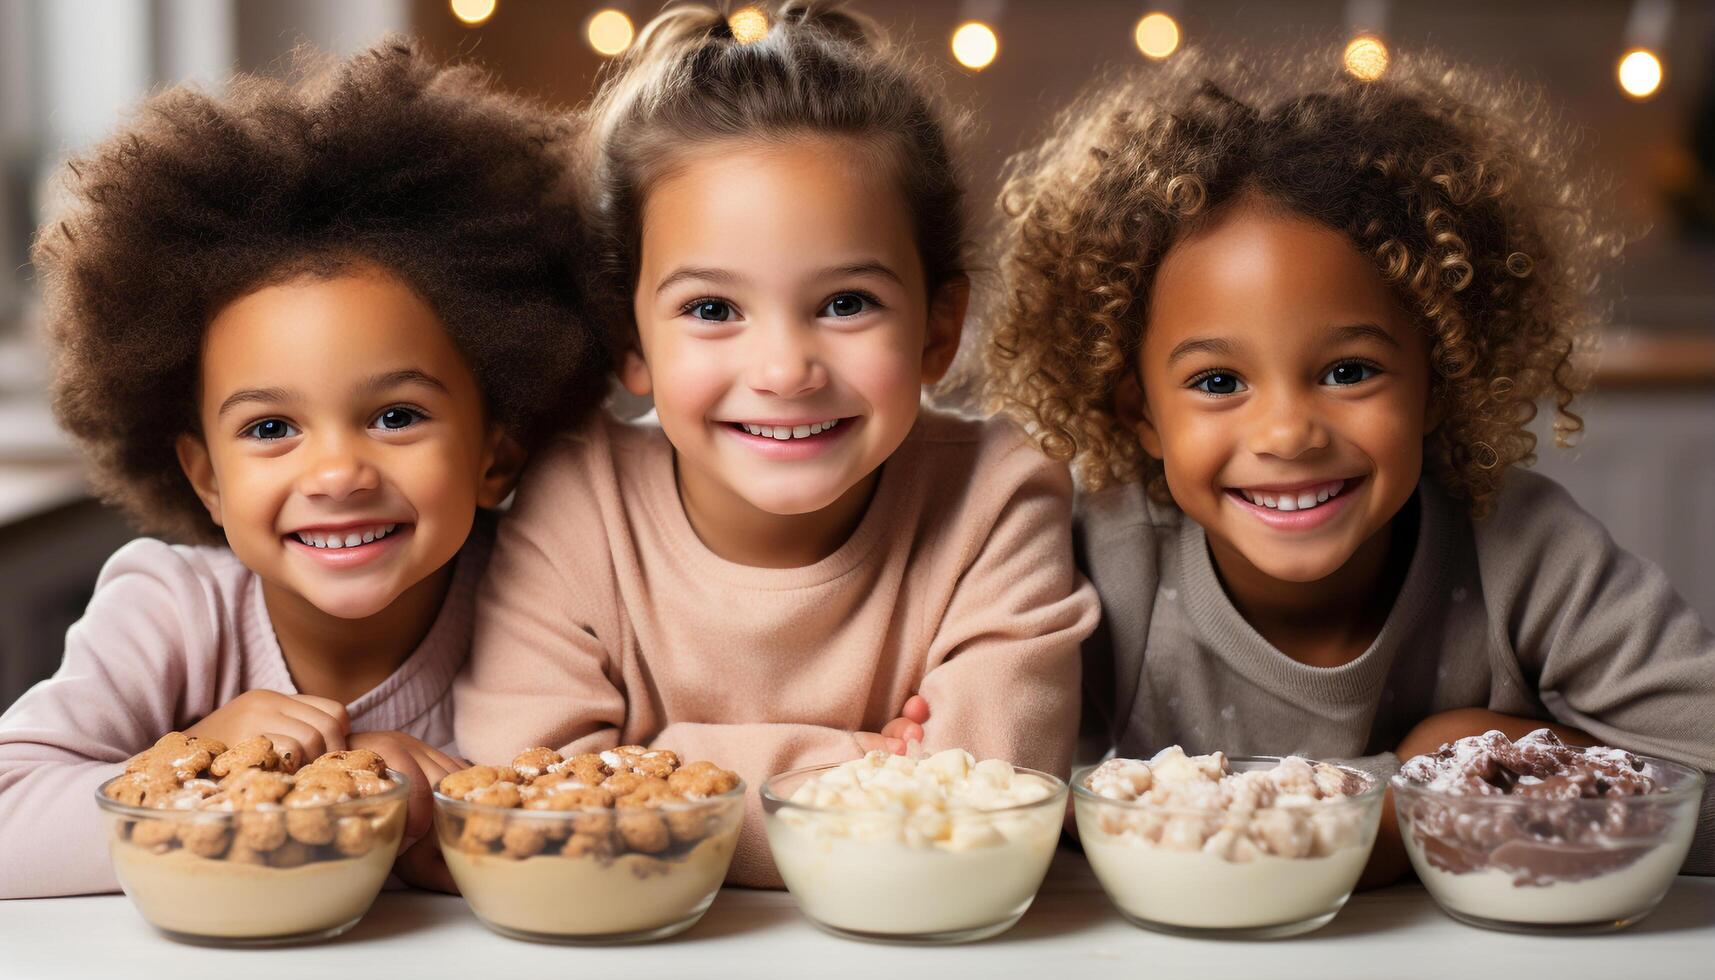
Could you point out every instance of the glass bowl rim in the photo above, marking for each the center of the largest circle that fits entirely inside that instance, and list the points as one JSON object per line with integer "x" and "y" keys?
{"x": 400, "y": 789}
{"x": 769, "y": 796}
{"x": 1689, "y": 787}
{"x": 682, "y": 806}
{"x": 1374, "y": 787}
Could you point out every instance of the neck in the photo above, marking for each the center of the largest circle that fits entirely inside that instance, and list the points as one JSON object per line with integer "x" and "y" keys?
{"x": 1333, "y": 620}
{"x": 344, "y": 659}
{"x": 743, "y": 533}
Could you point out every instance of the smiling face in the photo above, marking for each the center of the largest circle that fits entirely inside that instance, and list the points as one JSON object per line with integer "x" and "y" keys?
{"x": 1286, "y": 392}
{"x": 786, "y": 330}
{"x": 343, "y": 450}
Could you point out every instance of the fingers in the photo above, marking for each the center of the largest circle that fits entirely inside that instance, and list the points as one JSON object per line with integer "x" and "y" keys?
{"x": 916, "y": 709}
{"x": 326, "y": 715}
{"x": 871, "y": 741}
{"x": 903, "y": 729}
{"x": 290, "y": 748}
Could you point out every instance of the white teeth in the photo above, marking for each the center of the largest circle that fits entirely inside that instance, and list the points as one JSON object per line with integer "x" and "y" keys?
{"x": 1302, "y": 500}
{"x": 350, "y": 539}
{"x": 785, "y": 432}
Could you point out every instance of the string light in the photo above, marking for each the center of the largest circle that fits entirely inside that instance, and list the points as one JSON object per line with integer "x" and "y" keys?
{"x": 1366, "y": 57}
{"x": 1157, "y": 35}
{"x": 975, "y": 45}
{"x": 748, "y": 24}
{"x": 473, "y": 12}
{"x": 609, "y": 32}
{"x": 1640, "y": 73}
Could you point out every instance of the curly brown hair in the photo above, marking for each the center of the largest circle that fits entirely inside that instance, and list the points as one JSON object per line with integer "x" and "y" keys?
{"x": 390, "y": 160}
{"x": 1460, "y": 188}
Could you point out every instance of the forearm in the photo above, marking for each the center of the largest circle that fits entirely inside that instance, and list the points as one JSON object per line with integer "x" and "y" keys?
{"x": 53, "y": 839}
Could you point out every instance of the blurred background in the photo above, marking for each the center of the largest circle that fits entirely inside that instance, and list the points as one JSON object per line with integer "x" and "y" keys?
{"x": 1635, "y": 75}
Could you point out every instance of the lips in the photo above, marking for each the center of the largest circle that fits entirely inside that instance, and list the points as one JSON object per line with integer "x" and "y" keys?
{"x": 1283, "y": 506}
{"x": 349, "y": 537}
{"x": 1294, "y": 499}
{"x": 782, "y": 433}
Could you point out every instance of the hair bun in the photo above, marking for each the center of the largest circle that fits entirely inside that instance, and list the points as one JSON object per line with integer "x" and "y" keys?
{"x": 831, "y": 17}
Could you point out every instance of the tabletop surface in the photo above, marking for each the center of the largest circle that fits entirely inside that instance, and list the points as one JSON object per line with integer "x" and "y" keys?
{"x": 1071, "y": 931}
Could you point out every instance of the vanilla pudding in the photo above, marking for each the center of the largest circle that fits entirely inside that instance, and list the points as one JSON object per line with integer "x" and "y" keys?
{"x": 624, "y": 845}
{"x": 1539, "y": 835}
{"x": 941, "y": 849}
{"x": 194, "y": 896}
{"x": 589, "y": 897}
{"x": 1255, "y": 847}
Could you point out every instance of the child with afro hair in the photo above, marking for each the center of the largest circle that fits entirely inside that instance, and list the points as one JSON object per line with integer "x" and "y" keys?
{"x": 1290, "y": 328}
{"x": 307, "y": 332}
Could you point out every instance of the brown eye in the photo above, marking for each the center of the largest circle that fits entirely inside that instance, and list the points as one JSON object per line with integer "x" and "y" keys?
{"x": 1218, "y": 383}
{"x": 713, "y": 310}
{"x": 845, "y": 305}
{"x": 397, "y": 418}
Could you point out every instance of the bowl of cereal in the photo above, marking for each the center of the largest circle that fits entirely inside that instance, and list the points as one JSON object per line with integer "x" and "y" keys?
{"x": 626, "y": 845}
{"x": 941, "y": 849}
{"x": 1248, "y": 847}
{"x": 1539, "y": 836}
{"x": 220, "y": 846}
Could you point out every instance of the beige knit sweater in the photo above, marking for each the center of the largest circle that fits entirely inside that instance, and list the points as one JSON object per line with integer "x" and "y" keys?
{"x": 604, "y": 620}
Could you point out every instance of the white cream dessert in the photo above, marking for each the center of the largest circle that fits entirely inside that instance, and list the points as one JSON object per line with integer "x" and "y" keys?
{"x": 1540, "y": 833}
{"x": 1187, "y": 842}
{"x": 891, "y": 845}
{"x": 619, "y": 845}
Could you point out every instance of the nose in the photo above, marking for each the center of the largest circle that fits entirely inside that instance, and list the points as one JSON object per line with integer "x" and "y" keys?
{"x": 785, "y": 361}
{"x": 1287, "y": 427}
{"x": 336, "y": 468}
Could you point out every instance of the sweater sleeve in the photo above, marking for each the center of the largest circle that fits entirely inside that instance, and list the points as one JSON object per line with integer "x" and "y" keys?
{"x": 1003, "y": 678}
{"x": 120, "y": 686}
{"x": 542, "y": 667}
{"x": 1609, "y": 644}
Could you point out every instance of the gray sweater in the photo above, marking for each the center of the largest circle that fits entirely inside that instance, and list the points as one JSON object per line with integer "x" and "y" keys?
{"x": 1532, "y": 611}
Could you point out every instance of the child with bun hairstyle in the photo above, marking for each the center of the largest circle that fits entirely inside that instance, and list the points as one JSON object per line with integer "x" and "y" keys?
{"x": 799, "y": 548}
{"x": 1290, "y": 327}
{"x": 304, "y": 332}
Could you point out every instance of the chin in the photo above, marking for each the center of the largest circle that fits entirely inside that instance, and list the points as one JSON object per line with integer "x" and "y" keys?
{"x": 790, "y": 503}
{"x": 342, "y": 604}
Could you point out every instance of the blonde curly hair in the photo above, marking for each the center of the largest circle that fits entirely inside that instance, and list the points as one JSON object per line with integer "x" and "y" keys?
{"x": 1459, "y": 188}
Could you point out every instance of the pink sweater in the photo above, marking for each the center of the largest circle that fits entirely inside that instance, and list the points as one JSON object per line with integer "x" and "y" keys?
{"x": 604, "y": 619}
{"x": 172, "y": 634}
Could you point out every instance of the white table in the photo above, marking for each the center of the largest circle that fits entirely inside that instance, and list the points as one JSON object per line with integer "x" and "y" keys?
{"x": 1071, "y": 932}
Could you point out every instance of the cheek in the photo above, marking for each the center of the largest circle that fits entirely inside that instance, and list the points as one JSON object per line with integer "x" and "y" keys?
{"x": 689, "y": 381}
{"x": 886, "y": 371}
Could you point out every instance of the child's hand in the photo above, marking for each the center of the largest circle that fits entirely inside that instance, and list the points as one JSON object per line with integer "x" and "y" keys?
{"x": 424, "y": 765}
{"x": 894, "y": 735}
{"x": 423, "y": 866}
{"x": 301, "y": 726}
{"x": 1387, "y": 860}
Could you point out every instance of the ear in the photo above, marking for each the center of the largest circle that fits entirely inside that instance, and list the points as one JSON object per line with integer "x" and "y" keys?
{"x": 946, "y": 323}
{"x": 1132, "y": 408}
{"x": 634, "y": 374}
{"x": 503, "y": 459}
{"x": 199, "y": 469}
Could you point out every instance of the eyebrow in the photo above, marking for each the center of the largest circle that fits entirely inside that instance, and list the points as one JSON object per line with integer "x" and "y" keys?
{"x": 858, "y": 269}
{"x": 1200, "y": 345}
{"x": 1366, "y": 331}
{"x": 703, "y": 273}
{"x": 372, "y": 385}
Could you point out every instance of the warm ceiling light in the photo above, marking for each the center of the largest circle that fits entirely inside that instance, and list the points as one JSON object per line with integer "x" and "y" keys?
{"x": 473, "y": 12}
{"x": 1640, "y": 73}
{"x": 609, "y": 32}
{"x": 748, "y": 24}
{"x": 1366, "y": 57}
{"x": 975, "y": 45}
{"x": 1157, "y": 35}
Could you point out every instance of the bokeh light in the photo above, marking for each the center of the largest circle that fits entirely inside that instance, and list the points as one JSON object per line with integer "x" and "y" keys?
{"x": 1640, "y": 73}
{"x": 749, "y": 25}
{"x": 1157, "y": 35}
{"x": 975, "y": 45}
{"x": 1366, "y": 57}
{"x": 473, "y": 12}
{"x": 609, "y": 32}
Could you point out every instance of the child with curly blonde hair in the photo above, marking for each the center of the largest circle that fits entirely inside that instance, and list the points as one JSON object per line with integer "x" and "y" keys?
{"x": 306, "y": 333}
{"x": 1290, "y": 327}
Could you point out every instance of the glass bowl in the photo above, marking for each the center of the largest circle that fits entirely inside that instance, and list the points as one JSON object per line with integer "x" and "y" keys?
{"x": 869, "y": 874}
{"x": 1539, "y": 865}
{"x": 1197, "y": 871}
{"x": 263, "y": 877}
{"x": 593, "y": 876}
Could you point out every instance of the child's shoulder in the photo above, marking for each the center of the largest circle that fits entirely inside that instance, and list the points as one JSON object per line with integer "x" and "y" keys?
{"x": 1532, "y": 515}
{"x": 1124, "y": 509}
{"x": 946, "y": 441}
{"x": 211, "y": 569}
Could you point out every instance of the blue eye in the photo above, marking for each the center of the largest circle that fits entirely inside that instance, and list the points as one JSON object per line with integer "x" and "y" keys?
{"x": 269, "y": 430}
{"x": 398, "y": 418}
{"x": 846, "y": 305}
{"x": 1350, "y": 373}
{"x": 1218, "y": 383}
{"x": 712, "y": 310}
